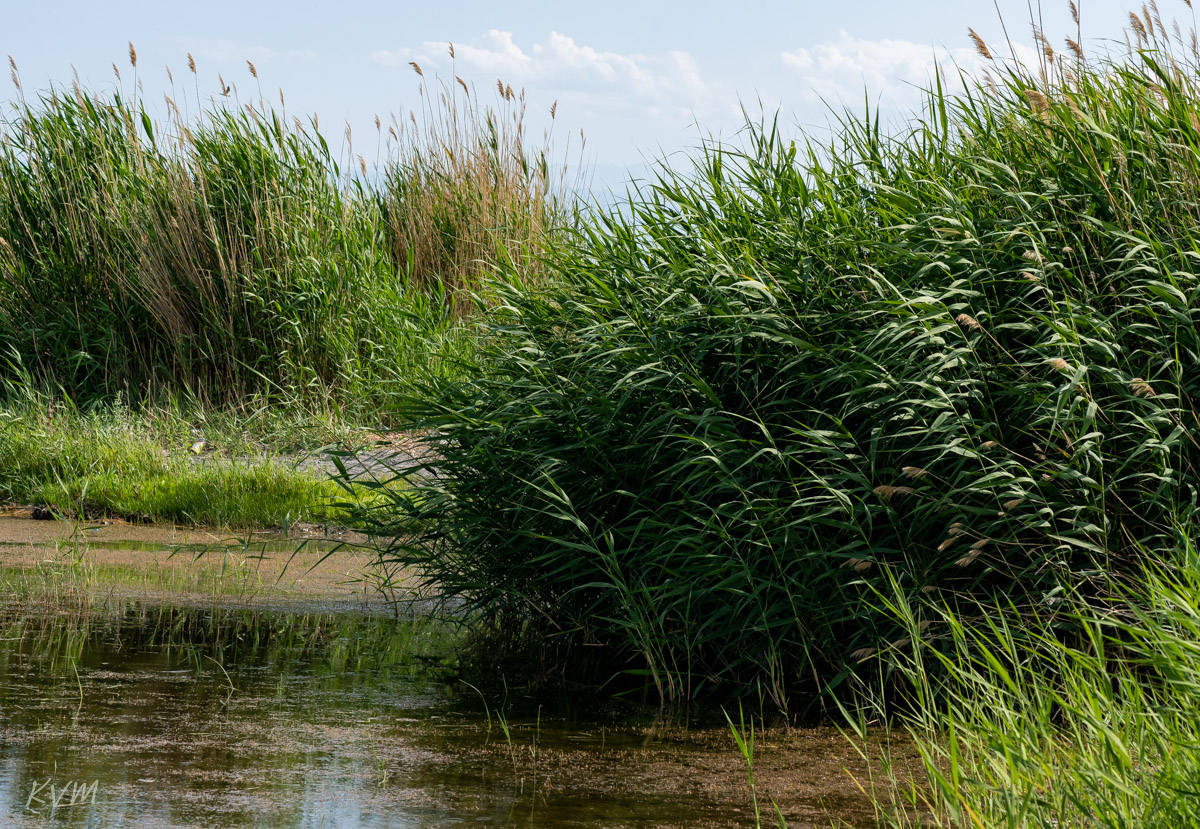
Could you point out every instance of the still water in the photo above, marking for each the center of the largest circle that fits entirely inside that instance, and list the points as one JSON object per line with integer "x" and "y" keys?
{"x": 135, "y": 715}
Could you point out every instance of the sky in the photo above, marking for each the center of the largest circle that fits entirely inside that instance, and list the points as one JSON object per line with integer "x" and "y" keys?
{"x": 642, "y": 80}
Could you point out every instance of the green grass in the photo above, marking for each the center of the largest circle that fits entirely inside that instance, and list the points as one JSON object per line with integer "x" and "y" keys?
{"x": 964, "y": 355}
{"x": 1055, "y": 716}
{"x": 120, "y": 463}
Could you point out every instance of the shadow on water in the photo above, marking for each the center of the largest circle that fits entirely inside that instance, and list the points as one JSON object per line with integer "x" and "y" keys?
{"x": 183, "y": 716}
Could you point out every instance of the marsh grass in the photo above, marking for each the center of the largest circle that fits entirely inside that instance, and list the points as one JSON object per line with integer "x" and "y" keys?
{"x": 964, "y": 355}
{"x": 1081, "y": 715}
{"x": 113, "y": 461}
{"x": 229, "y": 251}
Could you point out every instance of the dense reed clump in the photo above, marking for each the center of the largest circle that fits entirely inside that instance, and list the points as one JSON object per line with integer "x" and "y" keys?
{"x": 232, "y": 253}
{"x": 967, "y": 356}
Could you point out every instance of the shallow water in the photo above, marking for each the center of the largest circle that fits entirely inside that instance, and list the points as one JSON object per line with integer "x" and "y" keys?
{"x": 228, "y": 717}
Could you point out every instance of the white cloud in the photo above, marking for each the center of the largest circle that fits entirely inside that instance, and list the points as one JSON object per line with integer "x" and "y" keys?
{"x": 892, "y": 71}
{"x": 652, "y": 84}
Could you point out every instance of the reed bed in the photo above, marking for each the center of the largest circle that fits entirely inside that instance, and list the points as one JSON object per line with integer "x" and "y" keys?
{"x": 964, "y": 358}
{"x": 233, "y": 253}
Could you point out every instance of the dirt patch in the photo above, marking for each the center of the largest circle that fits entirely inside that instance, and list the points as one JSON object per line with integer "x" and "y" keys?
{"x": 148, "y": 562}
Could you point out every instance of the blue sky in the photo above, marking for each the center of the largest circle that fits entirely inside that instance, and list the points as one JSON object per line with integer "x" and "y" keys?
{"x": 635, "y": 77}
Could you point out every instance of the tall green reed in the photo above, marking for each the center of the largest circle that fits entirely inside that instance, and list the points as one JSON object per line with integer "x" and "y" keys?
{"x": 232, "y": 252}
{"x": 1084, "y": 714}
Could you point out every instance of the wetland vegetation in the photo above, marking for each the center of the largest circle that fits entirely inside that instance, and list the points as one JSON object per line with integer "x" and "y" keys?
{"x": 900, "y": 431}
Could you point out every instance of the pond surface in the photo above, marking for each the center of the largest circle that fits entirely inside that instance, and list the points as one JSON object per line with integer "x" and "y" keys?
{"x": 154, "y": 677}
{"x": 133, "y": 715}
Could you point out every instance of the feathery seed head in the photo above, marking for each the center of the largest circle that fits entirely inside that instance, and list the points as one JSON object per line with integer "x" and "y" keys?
{"x": 191, "y": 63}
{"x": 888, "y": 492}
{"x": 967, "y": 321}
{"x": 1038, "y": 102}
{"x": 253, "y": 71}
{"x": 980, "y": 46}
{"x": 1135, "y": 23}
{"x": 132, "y": 55}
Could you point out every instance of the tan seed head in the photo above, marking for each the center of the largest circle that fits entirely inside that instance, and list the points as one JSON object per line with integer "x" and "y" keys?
{"x": 1141, "y": 388}
{"x": 980, "y": 46}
